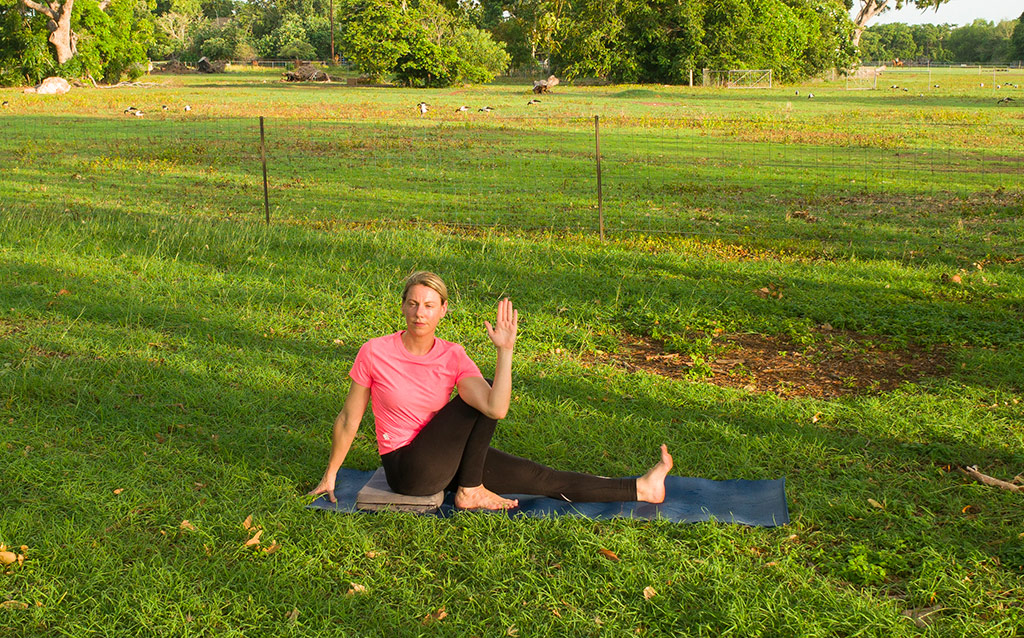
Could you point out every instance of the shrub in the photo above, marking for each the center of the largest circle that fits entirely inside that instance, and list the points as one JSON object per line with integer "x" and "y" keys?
{"x": 297, "y": 49}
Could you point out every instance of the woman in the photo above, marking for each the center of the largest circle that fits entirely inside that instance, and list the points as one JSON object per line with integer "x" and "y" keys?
{"x": 429, "y": 443}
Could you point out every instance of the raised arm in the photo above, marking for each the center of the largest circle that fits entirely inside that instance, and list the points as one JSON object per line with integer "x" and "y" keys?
{"x": 345, "y": 428}
{"x": 493, "y": 400}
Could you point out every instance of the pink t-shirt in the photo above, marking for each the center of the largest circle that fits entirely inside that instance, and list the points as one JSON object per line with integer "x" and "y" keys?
{"x": 408, "y": 390}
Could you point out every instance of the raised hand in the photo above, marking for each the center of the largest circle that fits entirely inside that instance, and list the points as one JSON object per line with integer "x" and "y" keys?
{"x": 503, "y": 332}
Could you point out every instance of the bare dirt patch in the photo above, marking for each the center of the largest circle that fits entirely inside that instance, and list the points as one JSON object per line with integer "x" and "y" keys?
{"x": 839, "y": 363}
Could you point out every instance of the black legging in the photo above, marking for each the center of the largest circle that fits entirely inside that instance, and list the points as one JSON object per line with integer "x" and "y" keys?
{"x": 453, "y": 450}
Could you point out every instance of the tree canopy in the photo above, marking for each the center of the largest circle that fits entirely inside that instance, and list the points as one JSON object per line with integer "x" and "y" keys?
{"x": 440, "y": 42}
{"x": 980, "y": 42}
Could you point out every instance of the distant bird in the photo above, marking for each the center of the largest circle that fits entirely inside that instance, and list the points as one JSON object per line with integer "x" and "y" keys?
{"x": 164, "y": 107}
{"x": 797, "y": 93}
{"x": 137, "y": 113}
{"x": 532, "y": 102}
{"x": 905, "y": 89}
{"x": 485, "y": 109}
{"x": 187, "y": 108}
{"x": 6, "y": 103}
{"x": 130, "y": 110}
{"x": 982, "y": 85}
{"x": 422, "y": 106}
{"x": 999, "y": 86}
{"x": 462, "y": 109}
{"x": 810, "y": 95}
{"x": 935, "y": 86}
{"x": 894, "y": 86}
{"x": 1005, "y": 100}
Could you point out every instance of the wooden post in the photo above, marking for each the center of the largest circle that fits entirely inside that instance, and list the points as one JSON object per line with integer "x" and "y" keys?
{"x": 691, "y": 77}
{"x": 600, "y": 196}
{"x": 263, "y": 157}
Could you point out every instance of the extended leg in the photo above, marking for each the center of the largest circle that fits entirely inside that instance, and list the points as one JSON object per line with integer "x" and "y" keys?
{"x": 507, "y": 474}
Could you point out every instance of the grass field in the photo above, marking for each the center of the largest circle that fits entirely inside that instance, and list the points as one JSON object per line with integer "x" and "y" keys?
{"x": 171, "y": 366}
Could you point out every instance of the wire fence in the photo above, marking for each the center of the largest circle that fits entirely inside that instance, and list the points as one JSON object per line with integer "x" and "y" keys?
{"x": 703, "y": 176}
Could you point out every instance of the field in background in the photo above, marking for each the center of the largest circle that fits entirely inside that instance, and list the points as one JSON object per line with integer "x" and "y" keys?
{"x": 827, "y": 289}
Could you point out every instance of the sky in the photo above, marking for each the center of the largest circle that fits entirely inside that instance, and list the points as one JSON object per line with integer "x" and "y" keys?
{"x": 957, "y": 12}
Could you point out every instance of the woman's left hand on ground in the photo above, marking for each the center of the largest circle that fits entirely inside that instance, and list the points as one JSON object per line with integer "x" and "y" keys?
{"x": 503, "y": 332}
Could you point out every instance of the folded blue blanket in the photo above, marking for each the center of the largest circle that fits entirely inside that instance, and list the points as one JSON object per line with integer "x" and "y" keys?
{"x": 688, "y": 500}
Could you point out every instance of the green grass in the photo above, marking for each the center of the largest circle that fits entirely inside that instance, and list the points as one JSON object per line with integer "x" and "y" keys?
{"x": 156, "y": 339}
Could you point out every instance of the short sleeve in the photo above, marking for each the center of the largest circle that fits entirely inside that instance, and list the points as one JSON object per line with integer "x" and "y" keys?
{"x": 467, "y": 368}
{"x": 362, "y": 372}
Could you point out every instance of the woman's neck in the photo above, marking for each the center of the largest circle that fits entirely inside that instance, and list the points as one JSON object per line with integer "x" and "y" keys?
{"x": 417, "y": 345}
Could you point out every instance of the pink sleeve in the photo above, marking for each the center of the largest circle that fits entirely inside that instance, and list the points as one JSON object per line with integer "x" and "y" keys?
{"x": 361, "y": 371}
{"x": 466, "y": 366}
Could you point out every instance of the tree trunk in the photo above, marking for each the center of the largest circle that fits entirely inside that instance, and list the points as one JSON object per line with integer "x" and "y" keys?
{"x": 63, "y": 39}
{"x": 868, "y": 10}
{"x": 61, "y": 36}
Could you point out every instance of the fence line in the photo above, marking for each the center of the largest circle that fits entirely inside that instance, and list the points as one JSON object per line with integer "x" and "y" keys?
{"x": 706, "y": 177}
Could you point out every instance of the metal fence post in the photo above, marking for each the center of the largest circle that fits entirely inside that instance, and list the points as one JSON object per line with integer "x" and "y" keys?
{"x": 263, "y": 157}
{"x": 600, "y": 196}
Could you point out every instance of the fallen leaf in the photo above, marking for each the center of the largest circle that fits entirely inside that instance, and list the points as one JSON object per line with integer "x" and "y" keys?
{"x": 512, "y": 631}
{"x": 356, "y": 588}
{"x": 649, "y": 592}
{"x": 827, "y": 327}
{"x": 873, "y": 503}
{"x": 247, "y": 523}
{"x": 188, "y": 527}
{"x": 554, "y": 612}
{"x": 13, "y": 604}
{"x": 7, "y": 558}
{"x": 292, "y": 615}
{"x": 440, "y": 614}
{"x": 372, "y": 554}
{"x": 956, "y": 279}
{"x": 598, "y": 621}
{"x": 118, "y": 490}
{"x": 816, "y": 417}
{"x": 63, "y": 291}
{"x": 609, "y": 554}
{"x": 273, "y": 548}
{"x": 255, "y": 540}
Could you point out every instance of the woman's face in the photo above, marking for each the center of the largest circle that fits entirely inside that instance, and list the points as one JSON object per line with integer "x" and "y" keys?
{"x": 423, "y": 310}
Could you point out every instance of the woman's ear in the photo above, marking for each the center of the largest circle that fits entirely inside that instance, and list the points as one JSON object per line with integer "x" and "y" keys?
{"x": 444, "y": 310}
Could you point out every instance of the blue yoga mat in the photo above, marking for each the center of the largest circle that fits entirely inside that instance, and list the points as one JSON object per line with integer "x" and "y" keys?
{"x": 687, "y": 500}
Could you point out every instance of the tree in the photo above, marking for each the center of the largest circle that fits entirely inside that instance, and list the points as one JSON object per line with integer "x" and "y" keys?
{"x": 1017, "y": 39}
{"x": 62, "y": 37}
{"x": 373, "y": 36}
{"x": 96, "y": 40}
{"x": 662, "y": 40}
{"x": 871, "y": 8}
{"x": 25, "y": 56}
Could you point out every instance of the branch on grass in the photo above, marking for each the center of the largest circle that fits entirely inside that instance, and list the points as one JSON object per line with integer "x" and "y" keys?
{"x": 972, "y": 471}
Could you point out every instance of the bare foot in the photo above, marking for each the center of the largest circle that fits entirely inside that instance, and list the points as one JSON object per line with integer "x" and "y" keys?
{"x": 650, "y": 487}
{"x": 479, "y": 497}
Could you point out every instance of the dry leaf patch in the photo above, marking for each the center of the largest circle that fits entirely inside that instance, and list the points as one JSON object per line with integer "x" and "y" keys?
{"x": 839, "y": 363}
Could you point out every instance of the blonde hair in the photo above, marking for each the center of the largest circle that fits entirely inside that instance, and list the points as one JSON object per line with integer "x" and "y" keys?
{"x": 428, "y": 279}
